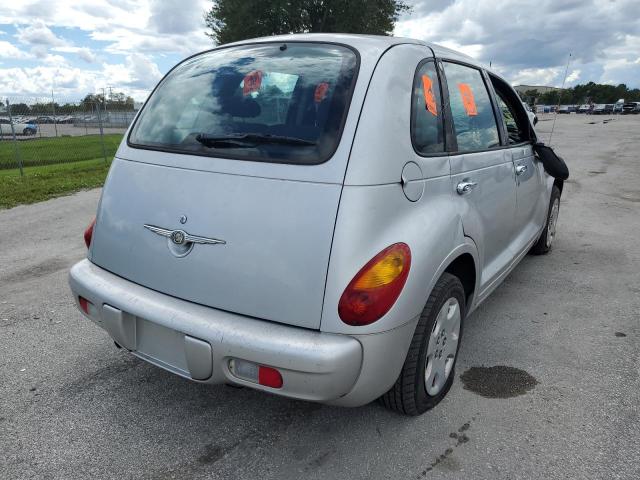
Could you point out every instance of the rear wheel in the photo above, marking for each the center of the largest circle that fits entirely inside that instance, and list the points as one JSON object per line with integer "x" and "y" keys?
{"x": 428, "y": 370}
{"x": 545, "y": 242}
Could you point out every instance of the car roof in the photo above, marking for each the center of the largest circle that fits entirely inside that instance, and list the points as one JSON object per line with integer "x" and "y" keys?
{"x": 363, "y": 42}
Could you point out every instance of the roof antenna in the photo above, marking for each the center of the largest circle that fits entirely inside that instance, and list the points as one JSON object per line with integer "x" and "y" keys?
{"x": 566, "y": 70}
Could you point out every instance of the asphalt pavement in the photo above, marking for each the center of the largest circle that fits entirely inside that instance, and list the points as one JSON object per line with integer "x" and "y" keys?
{"x": 547, "y": 383}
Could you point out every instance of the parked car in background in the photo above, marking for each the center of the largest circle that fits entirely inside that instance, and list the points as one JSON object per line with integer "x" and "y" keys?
{"x": 631, "y": 108}
{"x": 617, "y": 107}
{"x": 584, "y": 109}
{"x": 44, "y": 119}
{"x": 564, "y": 109}
{"x": 26, "y": 128}
{"x": 251, "y": 256}
{"x": 602, "y": 109}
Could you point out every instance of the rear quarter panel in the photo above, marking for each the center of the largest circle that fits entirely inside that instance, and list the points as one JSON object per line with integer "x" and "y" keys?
{"x": 371, "y": 218}
{"x": 374, "y": 212}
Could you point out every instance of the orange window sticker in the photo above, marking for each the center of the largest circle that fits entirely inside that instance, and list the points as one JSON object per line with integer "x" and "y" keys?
{"x": 321, "y": 92}
{"x": 429, "y": 97}
{"x": 468, "y": 101}
{"x": 252, "y": 82}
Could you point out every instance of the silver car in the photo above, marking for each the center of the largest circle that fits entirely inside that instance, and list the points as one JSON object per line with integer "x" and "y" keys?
{"x": 315, "y": 216}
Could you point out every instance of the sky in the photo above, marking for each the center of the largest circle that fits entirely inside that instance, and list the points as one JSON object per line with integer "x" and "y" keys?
{"x": 76, "y": 47}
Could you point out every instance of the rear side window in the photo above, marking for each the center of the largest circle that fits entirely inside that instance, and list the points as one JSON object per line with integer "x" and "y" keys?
{"x": 474, "y": 122}
{"x": 281, "y": 103}
{"x": 427, "y": 132}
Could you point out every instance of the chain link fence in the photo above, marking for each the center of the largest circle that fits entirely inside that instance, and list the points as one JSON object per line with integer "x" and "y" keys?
{"x": 36, "y": 132}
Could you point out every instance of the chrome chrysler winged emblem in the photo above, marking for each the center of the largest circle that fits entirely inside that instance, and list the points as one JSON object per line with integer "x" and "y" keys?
{"x": 180, "y": 237}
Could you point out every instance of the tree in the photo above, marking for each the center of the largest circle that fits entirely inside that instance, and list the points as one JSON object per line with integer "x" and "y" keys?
{"x": 586, "y": 93}
{"x": 232, "y": 20}
{"x": 20, "y": 109}
{"x": 118, "y": 101}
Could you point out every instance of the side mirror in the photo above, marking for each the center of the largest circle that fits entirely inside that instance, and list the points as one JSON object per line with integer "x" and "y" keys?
{"x": 535, "y": 120}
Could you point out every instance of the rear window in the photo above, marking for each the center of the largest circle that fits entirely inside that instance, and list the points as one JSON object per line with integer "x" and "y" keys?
{"x": 282, "y": 103}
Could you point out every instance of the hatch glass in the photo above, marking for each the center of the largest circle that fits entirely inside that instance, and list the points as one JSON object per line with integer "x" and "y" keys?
{"x": 275, "y": 102}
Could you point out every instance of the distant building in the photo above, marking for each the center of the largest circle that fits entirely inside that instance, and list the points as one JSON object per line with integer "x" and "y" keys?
{"x": 521, "y": 89}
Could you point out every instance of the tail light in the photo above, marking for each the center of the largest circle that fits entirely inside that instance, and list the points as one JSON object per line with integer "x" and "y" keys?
{"x": 88, "y": 233}
{"x": 376, "y": 287}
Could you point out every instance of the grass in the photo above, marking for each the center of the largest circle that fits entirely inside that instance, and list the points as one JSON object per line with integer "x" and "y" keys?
{"x": 56, "y": 150}
{"x": 45, "y": 182}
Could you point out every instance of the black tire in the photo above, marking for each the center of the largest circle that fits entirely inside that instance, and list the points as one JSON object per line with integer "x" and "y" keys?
{"x": 26, "y": 132}
{"x": 545, "y": 243}
{"x": 409, "y": 394}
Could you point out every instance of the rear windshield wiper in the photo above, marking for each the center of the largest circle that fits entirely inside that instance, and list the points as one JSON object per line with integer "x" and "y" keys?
{"x": 241, "y": 140}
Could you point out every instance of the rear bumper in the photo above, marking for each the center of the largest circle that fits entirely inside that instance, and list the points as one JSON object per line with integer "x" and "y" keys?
{"x": 197, "y": 342}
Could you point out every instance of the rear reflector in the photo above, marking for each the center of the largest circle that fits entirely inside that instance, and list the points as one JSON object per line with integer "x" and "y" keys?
{"x": 269, "y": 377}
{"x": 85, "y": 304}
{"x": 252, "y": 372}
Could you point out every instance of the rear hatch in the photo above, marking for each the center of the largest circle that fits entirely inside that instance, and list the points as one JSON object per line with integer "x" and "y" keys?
{"x": 227, "y": 189}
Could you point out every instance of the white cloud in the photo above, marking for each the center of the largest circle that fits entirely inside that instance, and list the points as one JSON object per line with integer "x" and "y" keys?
{"x": 38, "y": 34}
{"x": 126, "y": 26}
{"x": 83, "y": 53}
{"x": 87, "y": 55}
{"x": 57, "y": 60}
{"x": 531, "y": 42}
{"x": 138, "y": 73}
{"x": 136, "y": 77}
{"x": 8, "y": 50}
{"x": 573, "y": 76}
{"x": 136, "y": 30}
{"x": 175, "y": 17}
{"x": 37, "y": 81}
{"x": 535, "y": 76}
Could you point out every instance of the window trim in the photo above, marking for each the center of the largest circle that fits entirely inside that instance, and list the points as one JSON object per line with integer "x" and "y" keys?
{"x": 492, "y": 100}
{"x": 321, "y": 160}
{"x": 505, "y": 134}
{"x": 413, "y": 112}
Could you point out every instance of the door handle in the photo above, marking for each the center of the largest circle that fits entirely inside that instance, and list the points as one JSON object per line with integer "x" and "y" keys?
{"x": 520, "y": 169}
{"x": 465, "y": 187}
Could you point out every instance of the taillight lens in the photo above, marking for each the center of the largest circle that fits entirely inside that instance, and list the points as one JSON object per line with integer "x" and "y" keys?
{"x": 376, "y": 287}
{"x": 88, "y": 233}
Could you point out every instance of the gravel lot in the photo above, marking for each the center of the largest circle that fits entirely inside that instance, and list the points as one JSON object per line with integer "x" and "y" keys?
{"x": 73, "y": 406}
